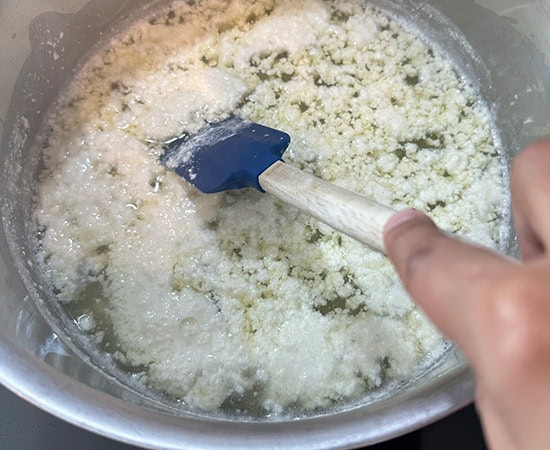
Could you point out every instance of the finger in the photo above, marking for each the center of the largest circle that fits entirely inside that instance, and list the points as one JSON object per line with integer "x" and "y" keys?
{"x": 515, "y": 349}
{"x": 530, "y": 184}
{"x": 530, "y": 245}
{"x": 497, "y": 431}
{"x": 445, "y": 276}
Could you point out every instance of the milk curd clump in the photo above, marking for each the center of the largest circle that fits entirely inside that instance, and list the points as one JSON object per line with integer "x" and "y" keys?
{"x": 236, "y": 301}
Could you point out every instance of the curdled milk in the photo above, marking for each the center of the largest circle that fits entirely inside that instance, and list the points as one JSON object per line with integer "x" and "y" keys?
{"x": 236, "y": 301}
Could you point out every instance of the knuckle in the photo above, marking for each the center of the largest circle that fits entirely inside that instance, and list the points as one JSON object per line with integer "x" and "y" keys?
{"x": 517, "y": 319}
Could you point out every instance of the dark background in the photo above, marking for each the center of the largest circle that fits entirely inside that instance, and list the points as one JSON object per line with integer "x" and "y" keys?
{"x": 24, "y": 427}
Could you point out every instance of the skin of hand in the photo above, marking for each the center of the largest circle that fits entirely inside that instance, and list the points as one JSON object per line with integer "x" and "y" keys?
{"x": 497, "y": 310}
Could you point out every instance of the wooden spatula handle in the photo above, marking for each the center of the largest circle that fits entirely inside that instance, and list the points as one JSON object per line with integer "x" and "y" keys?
{"x": 346, "y": 211}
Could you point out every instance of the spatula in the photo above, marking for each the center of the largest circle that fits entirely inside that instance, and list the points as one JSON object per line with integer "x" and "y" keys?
{"x": 236, "y": 153}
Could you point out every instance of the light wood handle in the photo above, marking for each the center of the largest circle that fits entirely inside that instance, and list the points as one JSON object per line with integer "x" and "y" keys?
{"x": 346, "y": 211}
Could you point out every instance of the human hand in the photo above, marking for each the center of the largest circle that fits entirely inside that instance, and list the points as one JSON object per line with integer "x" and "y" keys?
{"x": 495, "y": 309}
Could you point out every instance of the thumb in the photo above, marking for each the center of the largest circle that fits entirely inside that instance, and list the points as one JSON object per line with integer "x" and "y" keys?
{"x": 446, "y": 277}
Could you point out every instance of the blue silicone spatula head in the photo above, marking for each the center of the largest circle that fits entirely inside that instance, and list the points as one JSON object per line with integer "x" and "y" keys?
{"x": 230, "y": 154}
